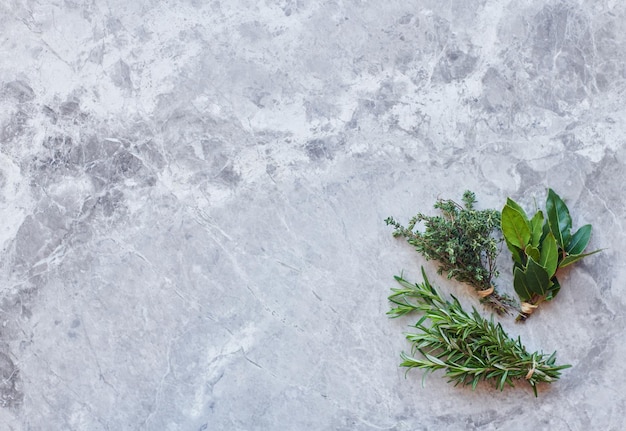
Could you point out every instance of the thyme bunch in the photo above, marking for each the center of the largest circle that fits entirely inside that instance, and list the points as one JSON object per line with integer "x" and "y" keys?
{"x": 462, "y": 241}
{"x": 467, "y": 346}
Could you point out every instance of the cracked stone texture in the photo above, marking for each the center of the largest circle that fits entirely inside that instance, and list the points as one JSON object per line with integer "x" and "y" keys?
{"x": 193, "y": 192}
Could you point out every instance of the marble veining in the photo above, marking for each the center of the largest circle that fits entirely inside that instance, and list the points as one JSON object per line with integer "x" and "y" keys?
{"x": 192, "y": 197}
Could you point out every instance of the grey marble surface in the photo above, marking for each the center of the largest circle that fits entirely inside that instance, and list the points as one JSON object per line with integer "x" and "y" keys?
{"x": 192, "y": 197}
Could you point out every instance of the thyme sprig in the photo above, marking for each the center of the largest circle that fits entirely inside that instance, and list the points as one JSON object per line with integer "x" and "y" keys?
{"x": 462, "y": 241}
{"x": 467, "y": 346}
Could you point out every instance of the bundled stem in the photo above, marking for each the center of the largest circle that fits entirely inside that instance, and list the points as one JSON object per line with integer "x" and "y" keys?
{"x": 462, "y": 242}
{"x": 467, "y": 346}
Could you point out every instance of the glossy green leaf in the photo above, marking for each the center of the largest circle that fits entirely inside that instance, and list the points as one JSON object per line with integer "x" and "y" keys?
{"x": 549, "y": 254}
{"x": 575, "y": 258}
{"x": 546, "y": 229}
{"x": 579, "y": 240}
{"x": 510, "y": 202}
{"x": 537, "y": 278}
{"x": 554, "y": 289}
{"x": 520, "y": 284}
{"x": 559, "y": 220}
{"x": 515, "y": 227}
{"x": 516, "y": 253}
{"x": 532, "y": 281}
{"x": 536, "y": 228}
{"x": 519, "y": 265}
{"x": 532, "y": 252}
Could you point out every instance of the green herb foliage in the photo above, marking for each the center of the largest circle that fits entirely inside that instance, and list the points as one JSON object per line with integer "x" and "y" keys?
{"x": 467, "y": 346}
{"x": 540, "y": 247}
{"x": 461, "y": 240}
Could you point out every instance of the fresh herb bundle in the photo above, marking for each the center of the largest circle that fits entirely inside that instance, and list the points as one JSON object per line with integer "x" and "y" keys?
{"x": 540, "y": 248}
{"x": 467, "y": 346}
{"x": 461, "y": 240}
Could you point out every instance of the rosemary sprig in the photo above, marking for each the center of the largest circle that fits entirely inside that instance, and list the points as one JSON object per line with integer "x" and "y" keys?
{"x": 467, "y": 346}
{"x": 461, "y": 240}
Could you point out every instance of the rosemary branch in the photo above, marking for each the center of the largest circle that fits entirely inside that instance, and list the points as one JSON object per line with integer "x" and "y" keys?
{"x": 467, "y": 346}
